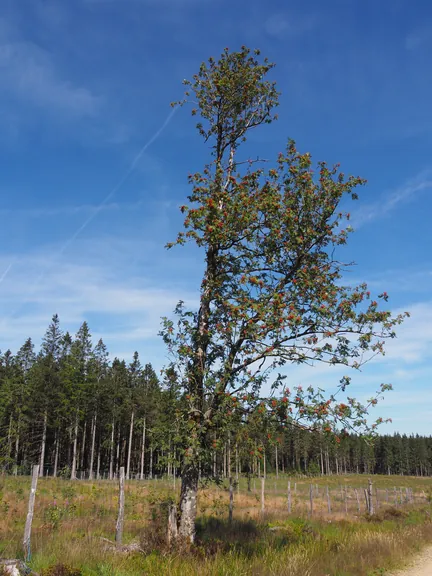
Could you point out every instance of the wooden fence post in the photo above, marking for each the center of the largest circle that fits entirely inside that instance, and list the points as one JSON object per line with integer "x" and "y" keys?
{"x": 262, "y": 495}
{"x": 366, "y": 499}
{"x": 29, "y": 519}
{"x": 345, "y": 500}
{"x": 328, "y": 500}
{"x": 289, "y": 497}
{"x": 172, "y": 524}
{"x": 358, "y": 500}
{"x": 120, "y": 517}
{"x": 370, "y": 497}
{"x": 231, "y": 500}
{"x": 311, "y": 499}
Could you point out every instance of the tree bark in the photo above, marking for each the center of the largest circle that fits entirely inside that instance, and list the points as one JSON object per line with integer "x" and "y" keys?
{"x": 151, "y": 463}
{"x": 111, "y": 463}
{"x": 17, "y": 439}
{"x": 188, "y": 502}
{"x": 83, "y": 446}
{"x": 92, "y": 449}
{"x": 74, "y": 449}
{"x": 98, "y": 462}
{"x": 130, "y": 444}
{"x": 43, "y": 444}
{"x": 143, "y": 450}
{"x": 56, "y": 454}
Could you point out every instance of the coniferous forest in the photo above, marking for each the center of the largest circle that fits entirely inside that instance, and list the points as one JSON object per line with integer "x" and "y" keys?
{"x": 78, "y": 414}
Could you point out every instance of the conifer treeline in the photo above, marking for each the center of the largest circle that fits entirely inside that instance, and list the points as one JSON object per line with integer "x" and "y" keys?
{"x": 77, "y": 414}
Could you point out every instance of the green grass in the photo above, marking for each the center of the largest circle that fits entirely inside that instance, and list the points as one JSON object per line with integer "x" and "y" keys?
{"x": 70, "y": 519}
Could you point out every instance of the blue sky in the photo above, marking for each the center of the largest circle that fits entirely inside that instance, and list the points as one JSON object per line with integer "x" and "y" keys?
{"x": 85, "y": 88}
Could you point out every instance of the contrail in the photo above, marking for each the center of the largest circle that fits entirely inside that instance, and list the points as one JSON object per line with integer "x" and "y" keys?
{"x": 5, "y": 273}
{"x": 92, "y": 216}
{"x": 117, "y": 186}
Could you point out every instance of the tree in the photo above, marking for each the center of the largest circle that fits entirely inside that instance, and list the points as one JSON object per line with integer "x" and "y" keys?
{"x": 271, "y": 292}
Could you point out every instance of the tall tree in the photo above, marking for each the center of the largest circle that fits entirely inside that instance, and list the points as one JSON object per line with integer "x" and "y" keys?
{"x": 272, "y": 290}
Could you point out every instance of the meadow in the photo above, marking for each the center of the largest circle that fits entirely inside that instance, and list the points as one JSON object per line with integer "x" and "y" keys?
{"x": 74, "y": 520}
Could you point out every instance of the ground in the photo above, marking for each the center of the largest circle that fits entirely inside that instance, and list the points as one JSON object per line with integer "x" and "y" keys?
{"x": 72, "y": 519}
{"x": 420, "y": 566}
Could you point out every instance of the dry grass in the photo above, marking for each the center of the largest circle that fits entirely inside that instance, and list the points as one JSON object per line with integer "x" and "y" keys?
{"x": 70, "y": 519}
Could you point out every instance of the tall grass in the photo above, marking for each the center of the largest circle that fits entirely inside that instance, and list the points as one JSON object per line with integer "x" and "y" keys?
{"x": 70, "y": 519}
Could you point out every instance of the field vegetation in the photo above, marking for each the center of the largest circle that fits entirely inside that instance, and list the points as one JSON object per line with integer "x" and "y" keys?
{"x": 74, "y": 520}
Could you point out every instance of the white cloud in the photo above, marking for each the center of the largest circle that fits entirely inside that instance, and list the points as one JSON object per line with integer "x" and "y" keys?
{"x": 27, "y": 72}
{"x": 95, "y": 283}
{"x": 391, "y": 200}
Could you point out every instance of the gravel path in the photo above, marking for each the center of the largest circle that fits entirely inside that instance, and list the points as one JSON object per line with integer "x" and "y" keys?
{"x": 421, "y": 566}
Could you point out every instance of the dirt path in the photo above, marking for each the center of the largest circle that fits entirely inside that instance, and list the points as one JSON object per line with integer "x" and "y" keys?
{"x": 421, "y": 565}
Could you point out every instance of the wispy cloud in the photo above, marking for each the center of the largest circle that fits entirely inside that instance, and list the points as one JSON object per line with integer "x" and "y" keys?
{"x": 281, "y": 25}
{"x": 68, "y": 210}
{"x": 418, "y": 38}
{"x": 391, "y": 200}
{"x": 124, "y": 309}
{"x": 27, "y": 72}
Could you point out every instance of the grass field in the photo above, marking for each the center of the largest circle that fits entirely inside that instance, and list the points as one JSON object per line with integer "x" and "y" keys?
{"x": 72, "y": 518}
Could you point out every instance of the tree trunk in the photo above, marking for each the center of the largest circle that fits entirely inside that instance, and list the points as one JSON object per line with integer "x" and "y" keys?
{"x": 92, "y": 449}
{"x": 17, "y": 439}
{"x": 74, "y": 449}
{"x": 98, "y": 462}
{"x": 43, "y": 444}
{"x": 130, "y": 444}
{"x": 83, "y": 446}
{"x": 56, "y": 454}
{"x": 143, "y": 450}
{"x": 118, "y": 453}
{"x": 111, "y": 463}
{"x": 151, "y": 463}
{"x": 276, "y": 461}
{"x": 188, "y": 502}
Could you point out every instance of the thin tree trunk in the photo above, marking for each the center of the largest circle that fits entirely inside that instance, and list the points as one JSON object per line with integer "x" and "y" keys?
{"x": 56, "y": 455}
{"x": 143, "y": 450}
{"x": 276, "y": 461}
{"x": 111, "y": 462}
{"x": 151, "y": 462}
{"x": 98, "y": 462}
{"x": 43, "y": 444}
{"x": 130, "y": 444}
{"x": 237, "y": 464}
{"x": 83, "y": 446}
{"x": 118, "y": 453}
{"x": 17, "y": 439}
{"x": 92, "y": 449}
{"x": 74, "y": 449}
